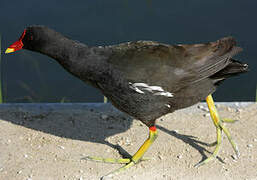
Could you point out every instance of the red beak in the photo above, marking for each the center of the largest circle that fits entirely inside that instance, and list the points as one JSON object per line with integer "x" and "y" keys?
{"x": 14, "y": 47}
{"x": 17, "y": 45}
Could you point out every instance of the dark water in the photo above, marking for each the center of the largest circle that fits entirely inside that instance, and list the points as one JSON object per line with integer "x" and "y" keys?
{"x": 29, "y": 76}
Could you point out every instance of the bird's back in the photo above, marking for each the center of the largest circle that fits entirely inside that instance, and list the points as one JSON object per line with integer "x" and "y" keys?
{"x": 159, "y": 78}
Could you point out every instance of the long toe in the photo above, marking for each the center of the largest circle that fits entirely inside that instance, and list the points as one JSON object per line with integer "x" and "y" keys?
{"x": 227, "y": 120}
{"x": 107, "y": 160}
{"x": 231, "y": 140}
{"x": 218, "y": 122}
{"x": 216, "y": 151}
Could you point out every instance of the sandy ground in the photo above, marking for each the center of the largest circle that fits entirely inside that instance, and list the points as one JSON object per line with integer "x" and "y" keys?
{"x": 48, "y": 142}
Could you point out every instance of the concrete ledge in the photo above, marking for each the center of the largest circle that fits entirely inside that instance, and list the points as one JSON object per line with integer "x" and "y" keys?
{"x": 43, "y": 107}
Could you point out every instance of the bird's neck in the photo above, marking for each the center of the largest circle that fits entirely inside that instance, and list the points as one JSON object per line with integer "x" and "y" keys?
{"x": 77, "y": 58}
{"x": 60, "y": 48}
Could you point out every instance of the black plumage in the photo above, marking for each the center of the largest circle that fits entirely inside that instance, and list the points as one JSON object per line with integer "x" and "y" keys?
{"x": 145, "y": 79}
{"x": 186, "y": 73}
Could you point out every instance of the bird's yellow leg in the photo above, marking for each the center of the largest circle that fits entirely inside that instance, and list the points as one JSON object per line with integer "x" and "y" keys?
{"x": 135, "y": 158}
{"x": 152, "y": 136}
{"x": 219, "y": 127}
{"x": 139, "y": 154}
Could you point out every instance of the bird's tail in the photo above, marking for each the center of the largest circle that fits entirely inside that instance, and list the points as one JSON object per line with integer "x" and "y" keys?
{"x": 233, "y": 68}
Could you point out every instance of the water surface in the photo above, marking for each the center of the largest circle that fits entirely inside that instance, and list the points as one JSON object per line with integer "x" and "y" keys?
{"x": 29, "y": 76}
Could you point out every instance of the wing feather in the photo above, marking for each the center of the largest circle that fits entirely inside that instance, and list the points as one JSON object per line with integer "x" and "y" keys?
{"x": 171, "y": 66}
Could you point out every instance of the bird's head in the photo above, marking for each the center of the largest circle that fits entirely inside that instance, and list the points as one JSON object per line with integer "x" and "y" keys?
{"x": 32, "y": 38}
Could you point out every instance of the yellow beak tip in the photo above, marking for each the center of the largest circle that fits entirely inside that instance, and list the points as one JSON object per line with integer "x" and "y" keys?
{"x": 9, "y": 50}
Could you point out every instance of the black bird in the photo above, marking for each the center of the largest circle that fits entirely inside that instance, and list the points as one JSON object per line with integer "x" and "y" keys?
{"x": 145, "y": 79}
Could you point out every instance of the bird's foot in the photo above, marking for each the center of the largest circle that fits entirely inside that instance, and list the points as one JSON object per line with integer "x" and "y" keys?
{"x": 137, "y": 157}
{"x": 129, "y": 163}
{"x": 219, "y": 128}
{"x": 112, "y": 160}
{"x": 117, "y": 171}
{"x": 224, "y": 120}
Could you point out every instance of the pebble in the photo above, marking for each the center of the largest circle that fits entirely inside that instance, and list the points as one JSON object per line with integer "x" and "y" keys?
{"x": 206, "y": 109}
{"x": 25, "y": 155}
{"x": 1, "y": 169}
{"x": 199, "y": 106}
{"x": 142, "y": 165}
{"x": 237, "y": 104}
{"x": 179, "y": 156}
{"x": 207, "y": 115}
{"x": 255, "y": 140}
{"x": 203, "y": 108}
{"x": 80, "y": 171}
{"x": 249, "y": 145}
{"x": 61, "y": 147}
{"x": 81, "y": 178}
{"x": 234, "y": 157}
{"x": 160, "y": 157}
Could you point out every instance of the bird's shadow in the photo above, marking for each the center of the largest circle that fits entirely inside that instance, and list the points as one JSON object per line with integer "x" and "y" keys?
{"x": 192, "y": 141}
{"x": 85, "y": 122}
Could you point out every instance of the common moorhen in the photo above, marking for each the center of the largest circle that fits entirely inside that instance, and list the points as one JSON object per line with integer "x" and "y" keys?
{"x": 145, "y": 79}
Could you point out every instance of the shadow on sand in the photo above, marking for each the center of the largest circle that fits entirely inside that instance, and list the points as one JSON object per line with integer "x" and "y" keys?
{"x": 85, "y": 122}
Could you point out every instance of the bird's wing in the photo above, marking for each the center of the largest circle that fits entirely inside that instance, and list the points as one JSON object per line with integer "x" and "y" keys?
{"x": 171, "y": 66}
{"x": 207, "y": 59}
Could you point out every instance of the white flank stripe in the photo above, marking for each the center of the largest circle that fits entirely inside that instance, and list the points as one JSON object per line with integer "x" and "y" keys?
{"x": 155, "y": 88}
{"x": 148, "y": 89}
{"x": 167, "y": 94}
{"x": 135, "y": 88}
{"x": 139, "y": 91}
{"x": 140, "y": 85}
{"x": 167, "y": 105}
{"x": 145, "y": 87}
